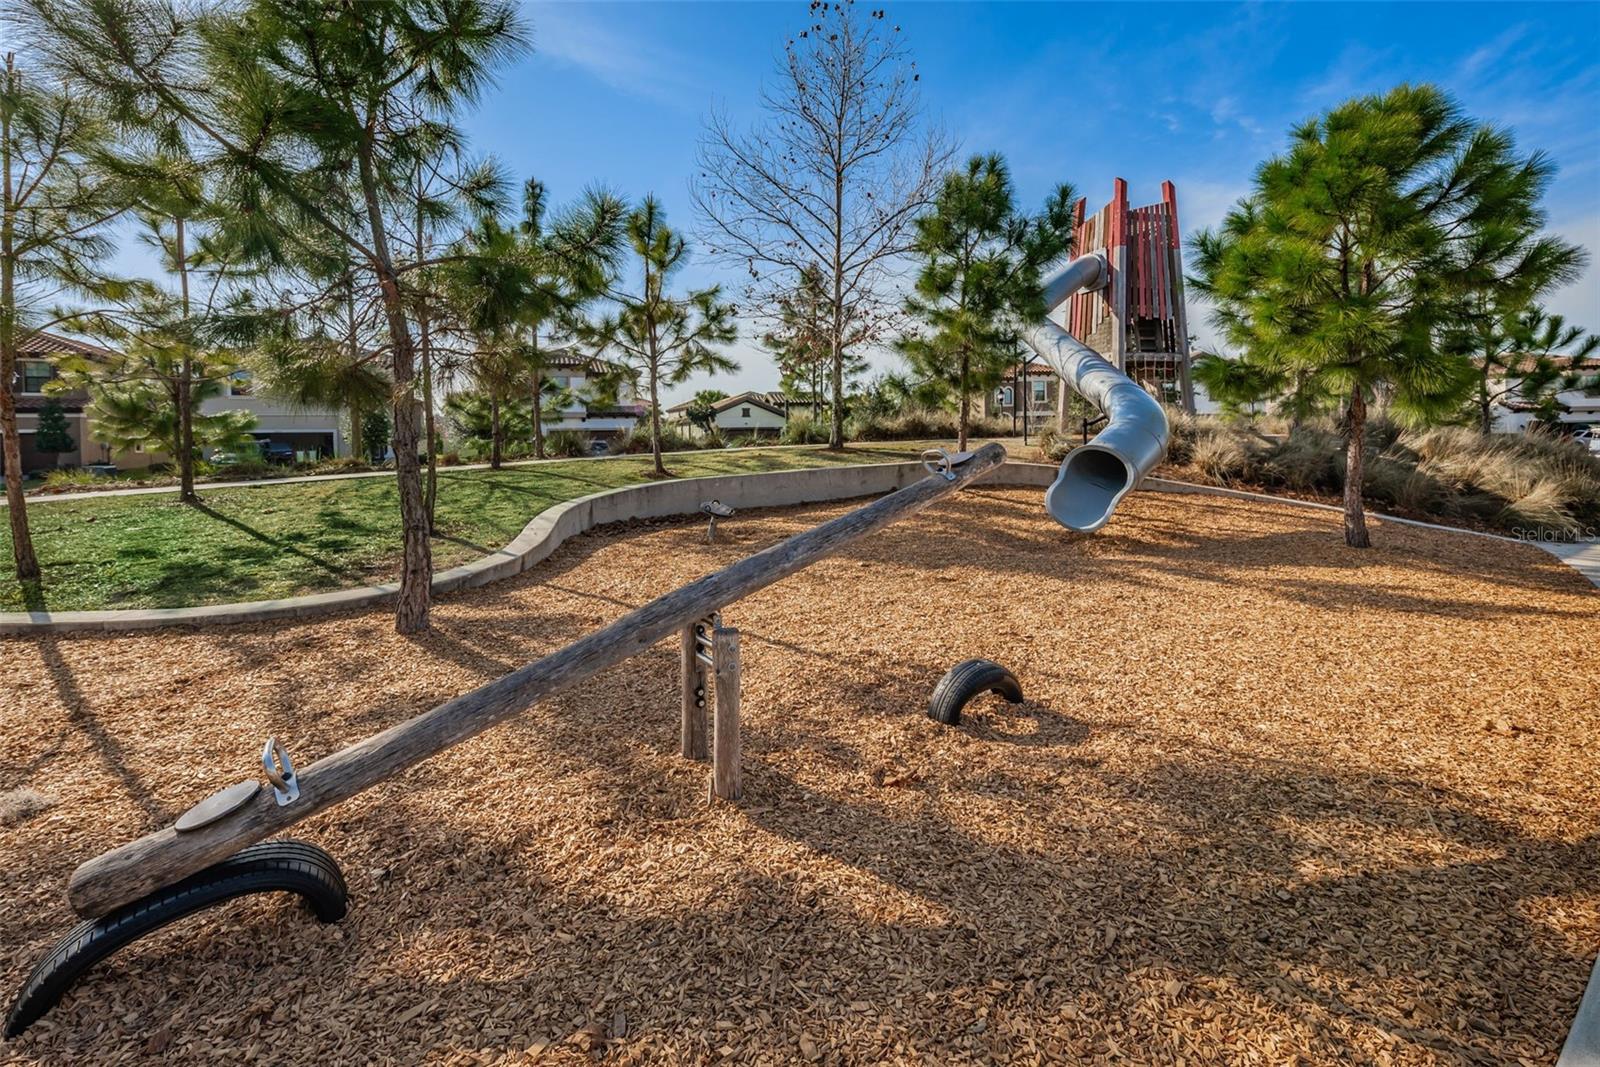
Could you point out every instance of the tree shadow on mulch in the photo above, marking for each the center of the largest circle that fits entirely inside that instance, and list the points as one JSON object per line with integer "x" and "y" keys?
{"x": 103, "y": 742}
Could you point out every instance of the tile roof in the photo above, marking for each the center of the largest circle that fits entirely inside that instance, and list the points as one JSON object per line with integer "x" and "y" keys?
{"x": 41, "y": 343}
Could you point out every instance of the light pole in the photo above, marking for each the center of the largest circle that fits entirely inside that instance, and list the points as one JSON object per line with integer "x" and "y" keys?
{"x": 1023, "y": 398}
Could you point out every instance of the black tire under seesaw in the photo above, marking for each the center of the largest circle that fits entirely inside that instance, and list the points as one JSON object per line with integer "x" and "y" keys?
{"x": 269, "y": 867}
{"x": 966, "y": 680}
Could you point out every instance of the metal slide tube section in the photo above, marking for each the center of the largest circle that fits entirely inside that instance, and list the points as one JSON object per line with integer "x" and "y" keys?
{"x": 1095, "y": 477}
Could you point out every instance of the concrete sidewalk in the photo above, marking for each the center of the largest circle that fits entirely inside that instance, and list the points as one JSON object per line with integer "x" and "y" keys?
{"x": 1581, "y": 556}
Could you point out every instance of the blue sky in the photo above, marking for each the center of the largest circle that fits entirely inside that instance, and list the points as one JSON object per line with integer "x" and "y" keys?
{"x": 615, "y": 94}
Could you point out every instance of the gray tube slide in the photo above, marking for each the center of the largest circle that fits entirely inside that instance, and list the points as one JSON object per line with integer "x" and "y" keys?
{"x": 1095, "y": 477}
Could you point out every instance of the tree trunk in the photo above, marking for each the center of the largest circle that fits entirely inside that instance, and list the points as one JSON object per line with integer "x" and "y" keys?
{"x": 22, "y": 553}
{"x": 1355, "y": 517}
{"x": 495, "y": 436}
{"x": 836, "y": 417}
{"x": 416, "y": 570}
{"x": 358, "y": 435}
{"x": 185, "y": 392}
{"x": 655, "y": 424}
{"x": 836, "y": 330}
{"x": 1485, "y": 415}
{"x": 16, "y": 504}
{"x": 966, "y": 407}
{"x": 430, "y": 495}
{"x": 538, "y": 401}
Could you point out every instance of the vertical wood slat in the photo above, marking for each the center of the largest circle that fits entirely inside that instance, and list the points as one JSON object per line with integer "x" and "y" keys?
{"x": 696, "y": 691}
{"x": 1158, "y": 256}
{"x": 726, "y": 780}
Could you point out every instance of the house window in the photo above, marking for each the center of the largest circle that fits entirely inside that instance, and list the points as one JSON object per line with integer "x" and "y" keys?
{"x": 35, "y": 372}
{"x": 1041, "y": 392}
{"x": 1005, "y": 396}
{"x": 744, "y": 413}
{"x": 239, "y": 383}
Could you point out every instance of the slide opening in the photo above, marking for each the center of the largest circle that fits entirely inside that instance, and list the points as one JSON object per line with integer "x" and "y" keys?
{"x": 1088, "y": 487}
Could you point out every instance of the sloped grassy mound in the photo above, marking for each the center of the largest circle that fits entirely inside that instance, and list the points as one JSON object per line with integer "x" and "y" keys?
{"x": 1534, "y": 485}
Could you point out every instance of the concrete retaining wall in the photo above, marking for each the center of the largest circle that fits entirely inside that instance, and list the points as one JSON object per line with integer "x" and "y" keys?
{"x": 538, "y": 540}
{"x": 552, "y": 527}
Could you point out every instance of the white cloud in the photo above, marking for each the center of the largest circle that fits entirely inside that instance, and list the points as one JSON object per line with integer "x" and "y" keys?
{"x": 1487, "y": 56}
{"x": 1225, "y": 112}
{"x": 572, "y": 35}
{"x": 1580, "y": 301}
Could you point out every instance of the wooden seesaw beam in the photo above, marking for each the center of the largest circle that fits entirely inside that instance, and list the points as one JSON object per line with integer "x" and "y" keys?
{"x": 159, "y": 859}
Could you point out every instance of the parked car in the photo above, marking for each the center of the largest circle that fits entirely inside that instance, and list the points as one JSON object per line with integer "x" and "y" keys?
{"x": 277, "y": 452}
{"x": 1590, "y": 437}
{"x": 232, "y": 457}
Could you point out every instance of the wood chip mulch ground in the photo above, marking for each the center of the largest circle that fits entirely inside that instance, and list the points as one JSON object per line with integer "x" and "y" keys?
{"x": 1269, "y": 801}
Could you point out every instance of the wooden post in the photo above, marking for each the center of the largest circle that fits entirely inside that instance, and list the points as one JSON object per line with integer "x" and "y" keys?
{"x": 167, "y": 856}
{"x": 696, "y": 691}
{"x": 725, "y": 779}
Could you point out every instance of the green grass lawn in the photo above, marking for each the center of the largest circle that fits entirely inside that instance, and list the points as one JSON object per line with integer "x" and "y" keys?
{"x": 269, "y": 541}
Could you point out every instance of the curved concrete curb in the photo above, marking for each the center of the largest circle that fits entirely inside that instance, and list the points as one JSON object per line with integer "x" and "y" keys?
{"x": 1581, "y": 556}
{"x": 1582, "y": 1048}
{"x": 542, "y": 536}
{"x": 555, "y": 525}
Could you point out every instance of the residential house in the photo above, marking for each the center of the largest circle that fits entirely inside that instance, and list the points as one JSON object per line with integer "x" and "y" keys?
{"x": 36, "y": 357}
{"x": 313, "y": 432}
{"x": 307, "y": 429}
{"x": 1034, "y": 393}
{"x": 578, "y": 374}
{"x": 748, "y": 414}
{"x": 1578, "y": 409}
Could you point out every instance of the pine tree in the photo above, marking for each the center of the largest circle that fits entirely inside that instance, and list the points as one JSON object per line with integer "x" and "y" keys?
{"x": 980, "y": 276}
{"x": 1526, "y": 354}
{"x": 284, "y": 98}
{"x": 664, "y": 339}
{"x": 52, "y": 434}
{"x": 1354, "y": 249}
{"x": 702, "y": 410}
{"x": 1242, "y": 387}
{"x": 148, "y": 393}
{"x": 54, "y": 204}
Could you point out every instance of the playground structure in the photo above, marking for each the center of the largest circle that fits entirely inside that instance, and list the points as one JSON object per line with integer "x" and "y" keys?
{"x": 1136, "y": 318}
{"x": 173, "y": 872}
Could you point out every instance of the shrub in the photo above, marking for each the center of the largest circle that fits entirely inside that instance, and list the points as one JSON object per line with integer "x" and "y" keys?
{"x": 566, "y": 443}
{"x": 1183, "y": 431}
{"x": 1222, "y": 456}
{"x": 67, "y": 479}
{"x": 1309, "y": 460}
{"x": 1055, "y": 444}
{"x": 245, "y": 468}
{"x": 1536, "y": 483}
{"x": 341, "y": 465}
{"x": 637, "y": 440}
{"x": 803, "y": 430}
{"x": 916, "y": 424}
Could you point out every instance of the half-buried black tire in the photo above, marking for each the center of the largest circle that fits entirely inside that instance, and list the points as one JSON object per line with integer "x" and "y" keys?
{"x": 966, "y": 680}
{"x": 272, "y": 866}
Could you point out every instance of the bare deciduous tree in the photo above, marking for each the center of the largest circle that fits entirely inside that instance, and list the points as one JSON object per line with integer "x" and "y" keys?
{"x": 832, "y": 179}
